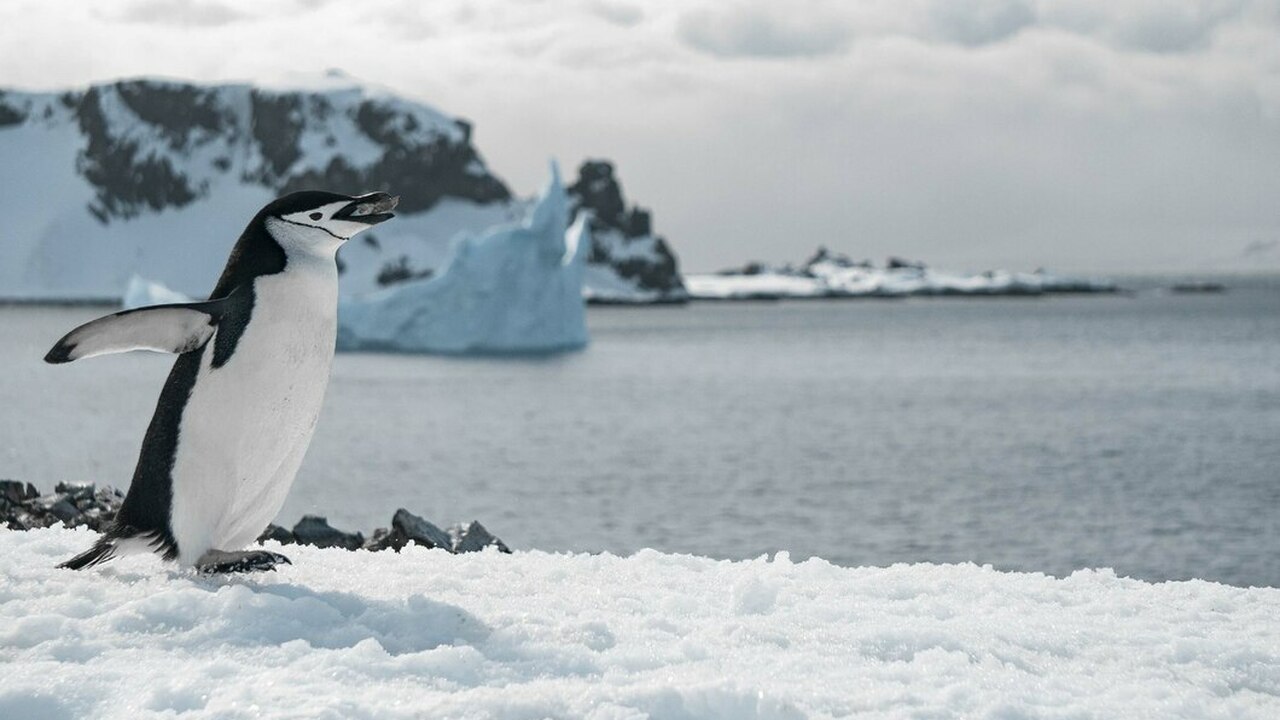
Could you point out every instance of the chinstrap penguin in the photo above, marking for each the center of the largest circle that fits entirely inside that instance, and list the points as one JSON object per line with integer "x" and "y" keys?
{"x": 238, "y": 410}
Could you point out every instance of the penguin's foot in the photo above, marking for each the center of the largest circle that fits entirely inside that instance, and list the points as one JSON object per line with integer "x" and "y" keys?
{"x": 219, "y": 561}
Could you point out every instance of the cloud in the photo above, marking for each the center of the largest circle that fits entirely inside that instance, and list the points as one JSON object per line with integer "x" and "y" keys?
{"x": 1260, "y": 247}
{"x": 1155, "y": 26}
{"x": 980, "y": 22}
{"x": 183, "y": 13}
{"x": 618, "y": 13}
{"x": 763, "y": 30}
{"x": 1089, "y": 134}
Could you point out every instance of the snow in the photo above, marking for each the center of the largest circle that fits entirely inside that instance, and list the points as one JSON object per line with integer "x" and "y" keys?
{"x": 834, "y": 279}
{"x": 486, "y": 635}
{"x": 746, "y": 287}
{"x": 515, "y": 289}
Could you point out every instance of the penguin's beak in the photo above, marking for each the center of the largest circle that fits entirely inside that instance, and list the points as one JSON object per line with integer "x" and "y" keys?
{"x": 369, "y": 209}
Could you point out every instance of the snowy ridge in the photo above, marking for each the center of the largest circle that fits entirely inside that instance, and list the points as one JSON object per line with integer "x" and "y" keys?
{"x": 424, "y": 633}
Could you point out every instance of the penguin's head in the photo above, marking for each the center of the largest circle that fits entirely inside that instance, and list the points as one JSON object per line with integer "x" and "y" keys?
{"x": 319, "y": 221}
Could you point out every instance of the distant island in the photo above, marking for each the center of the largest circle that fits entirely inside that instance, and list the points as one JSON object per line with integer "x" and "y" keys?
{"x": 830, "y": 275}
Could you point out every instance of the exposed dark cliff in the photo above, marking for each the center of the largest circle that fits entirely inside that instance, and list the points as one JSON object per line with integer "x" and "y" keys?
{"x": 622, "y": 237}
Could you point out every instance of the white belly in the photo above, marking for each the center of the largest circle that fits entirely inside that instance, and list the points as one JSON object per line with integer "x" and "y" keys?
{"x": 248, "y": 423}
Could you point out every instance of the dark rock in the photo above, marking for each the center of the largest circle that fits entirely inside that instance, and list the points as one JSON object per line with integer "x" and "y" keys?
{"x": 76, "y": 504}
{"x": 16, "y": 493}
{"x": 277, "y": 126}
{"x": 126, "y": 179}
{"x": 398, "y": 271}
{"x": 897, "y": 263}
{"x": 21, "y": 520}
{"x": 177, "y": 110}
{"x": 277, "y": 533}
{"x": 315, "y": 530}
{"x": 384, "y": 539}
{"x": 75, "y": 492}
{"x": 59, "y": 507}
{"x": 419, "y": 531}
{"x": 10, "y": 115}
{"x": 473, "y": 537}
{"x": 98, "y": 519}
{"x": 598, "y": 191}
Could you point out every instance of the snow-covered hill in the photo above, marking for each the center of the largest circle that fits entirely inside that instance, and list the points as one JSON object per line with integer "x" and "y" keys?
{"x": 157, "y": 178}
{"x": 424, "y": 633}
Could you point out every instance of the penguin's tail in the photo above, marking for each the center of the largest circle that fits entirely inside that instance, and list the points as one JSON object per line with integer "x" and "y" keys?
{"x": 102, "y": 551}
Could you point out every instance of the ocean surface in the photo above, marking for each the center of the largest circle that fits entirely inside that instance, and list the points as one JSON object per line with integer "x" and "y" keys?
{"x": 1140, "y": 432}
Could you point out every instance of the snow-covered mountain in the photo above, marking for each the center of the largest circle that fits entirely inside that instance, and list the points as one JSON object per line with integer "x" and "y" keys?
{"x": 157, "y": 178}
{"x": 627, "y": 262}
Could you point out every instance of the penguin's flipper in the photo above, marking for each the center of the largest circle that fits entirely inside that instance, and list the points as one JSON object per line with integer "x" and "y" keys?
{"x": 177, "y": 328}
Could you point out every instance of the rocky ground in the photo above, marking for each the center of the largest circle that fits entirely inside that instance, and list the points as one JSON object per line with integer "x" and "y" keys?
{"x": 22, "y": 507}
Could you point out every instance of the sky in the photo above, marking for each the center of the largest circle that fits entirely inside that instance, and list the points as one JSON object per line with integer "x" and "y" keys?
{"x": 1082, "y": 135}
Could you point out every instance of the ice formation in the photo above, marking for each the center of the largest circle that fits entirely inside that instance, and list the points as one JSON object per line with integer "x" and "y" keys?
{"x": 514, "y": 289}
{"x": 424, "y": 633}
{"x": 142, "y": 292}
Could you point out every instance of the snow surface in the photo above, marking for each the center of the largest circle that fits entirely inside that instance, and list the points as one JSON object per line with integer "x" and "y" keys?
{"x": 833, "y": 279}
{"x": 517, "y": 288}
{"x": 531, "y": 635}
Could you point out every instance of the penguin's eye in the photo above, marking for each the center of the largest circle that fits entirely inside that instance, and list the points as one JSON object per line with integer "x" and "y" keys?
{"x": 316, "y": 216}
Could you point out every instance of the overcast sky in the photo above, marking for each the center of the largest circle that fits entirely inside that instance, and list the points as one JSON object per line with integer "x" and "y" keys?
{"x": 1107, "y": 135}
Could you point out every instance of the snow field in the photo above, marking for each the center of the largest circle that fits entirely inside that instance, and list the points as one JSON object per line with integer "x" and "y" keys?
{"x": 532, "y": 635}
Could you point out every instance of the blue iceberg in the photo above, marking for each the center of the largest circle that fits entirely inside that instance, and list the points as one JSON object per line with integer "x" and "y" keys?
{"x": 514, "y": 289}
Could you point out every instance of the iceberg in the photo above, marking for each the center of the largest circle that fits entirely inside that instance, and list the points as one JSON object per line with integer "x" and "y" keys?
{"x": 142, "y": 292}
{"x": 514, "y": 289}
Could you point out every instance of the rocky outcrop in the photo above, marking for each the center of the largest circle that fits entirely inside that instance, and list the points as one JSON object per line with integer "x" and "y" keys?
{"x": 22, "y": 507}
{"x": 627, "y": 262}
{"x": 406, "y": 529}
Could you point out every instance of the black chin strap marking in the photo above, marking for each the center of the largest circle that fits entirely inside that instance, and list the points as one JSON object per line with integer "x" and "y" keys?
{"x": 317, "y": 227}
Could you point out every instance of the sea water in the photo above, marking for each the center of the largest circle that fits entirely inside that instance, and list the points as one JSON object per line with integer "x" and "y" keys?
{"x": 1135, "y": 432}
